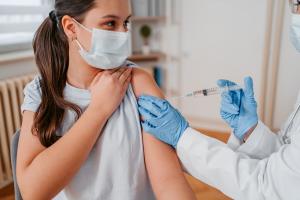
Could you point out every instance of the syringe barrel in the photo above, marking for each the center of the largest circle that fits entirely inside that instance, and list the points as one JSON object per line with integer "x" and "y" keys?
{"x": 230, "y": 88}
{"x": 210, "y": 91}
{"x": 219, "y": 90}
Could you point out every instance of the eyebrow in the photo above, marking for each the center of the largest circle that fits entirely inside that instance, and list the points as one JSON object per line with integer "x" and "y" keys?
{"x": 115, "y": 16}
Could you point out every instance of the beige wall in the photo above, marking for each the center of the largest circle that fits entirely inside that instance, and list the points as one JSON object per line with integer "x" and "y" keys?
{"x": 207, "y": 40}
{"x": 226, "y": 39}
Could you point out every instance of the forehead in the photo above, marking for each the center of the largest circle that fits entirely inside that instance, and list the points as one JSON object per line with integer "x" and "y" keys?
{"x": 294, "y": 6}
{"x": 112, "y": 7}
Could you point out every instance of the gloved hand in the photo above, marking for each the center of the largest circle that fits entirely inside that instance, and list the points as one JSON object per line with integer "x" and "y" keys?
{"x": 239, "y": 108}
{"x": 161, "y": 120}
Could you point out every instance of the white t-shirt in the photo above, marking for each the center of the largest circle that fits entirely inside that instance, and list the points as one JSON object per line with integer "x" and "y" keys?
{"x": 115, "y": 168}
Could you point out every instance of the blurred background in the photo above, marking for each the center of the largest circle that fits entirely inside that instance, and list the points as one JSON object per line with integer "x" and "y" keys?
{"x": 186, "y": 45}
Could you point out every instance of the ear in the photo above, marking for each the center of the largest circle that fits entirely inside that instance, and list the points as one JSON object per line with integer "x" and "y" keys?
{"x": 69, "y": 27}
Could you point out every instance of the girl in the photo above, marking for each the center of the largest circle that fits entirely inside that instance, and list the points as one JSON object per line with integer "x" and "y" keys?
{"x": 81, "y": 136}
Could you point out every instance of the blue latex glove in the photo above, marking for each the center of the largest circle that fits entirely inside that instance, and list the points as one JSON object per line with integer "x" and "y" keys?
{"x": 239, "y": 108}
{"x": 161, "y": 120}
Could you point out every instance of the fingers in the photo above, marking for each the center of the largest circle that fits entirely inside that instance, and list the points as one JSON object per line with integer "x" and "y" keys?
{"x": 236, "y": 97}
{"x": 228, "y": 117}
{"x": 228, "y": 105}
{"x": 125, "y": 75}
{"x": 96, "y": 78}
{"x": 127, "y": 82}
{"x": 230, "y": 108}
{"x": 147, "y": 115}
{"x": 111, "y": 71}
{"x": 249, "y": 92}
{"x": 226, "y": 97}
{"x": 147, "y": 126}
{"x": 224, "y": 83}
{"x": 119, "y": 72}
{"x": 160, "y": 103}
{"x": 153, "y": 109}
{"x": 150, "y": 106}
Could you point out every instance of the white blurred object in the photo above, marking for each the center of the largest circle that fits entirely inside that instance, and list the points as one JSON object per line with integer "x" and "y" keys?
{"x": 15, "y": 41}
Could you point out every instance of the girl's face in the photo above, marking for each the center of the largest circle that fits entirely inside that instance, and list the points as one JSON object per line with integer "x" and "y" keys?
{"x": 111, "y": 15}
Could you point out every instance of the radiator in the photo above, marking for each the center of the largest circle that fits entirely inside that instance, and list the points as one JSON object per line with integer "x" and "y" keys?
{"x": 11, "y": 98}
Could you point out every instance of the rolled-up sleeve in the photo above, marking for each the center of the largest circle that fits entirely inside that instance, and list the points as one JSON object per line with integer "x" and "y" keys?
{"x": 261, "y": 143}
{"x": 32, "y": 96}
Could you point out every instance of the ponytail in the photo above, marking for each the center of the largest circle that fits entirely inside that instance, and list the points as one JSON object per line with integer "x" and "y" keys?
{"x": 51, "y": 50}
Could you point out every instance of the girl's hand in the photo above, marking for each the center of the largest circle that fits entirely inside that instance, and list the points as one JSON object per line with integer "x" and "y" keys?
{"x": 109, "y": 88}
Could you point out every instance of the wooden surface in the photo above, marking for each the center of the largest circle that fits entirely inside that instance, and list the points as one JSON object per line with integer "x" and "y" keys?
{"x": 7, "y": 193}
{"x": 205, "y": 192}
{"x": 202, "y": 191}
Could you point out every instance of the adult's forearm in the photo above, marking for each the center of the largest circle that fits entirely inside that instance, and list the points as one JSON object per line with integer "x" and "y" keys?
{"x": 52, "y": 169}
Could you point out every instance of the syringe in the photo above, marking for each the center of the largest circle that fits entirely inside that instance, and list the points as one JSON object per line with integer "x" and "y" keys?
{"x": 209, "y": 91}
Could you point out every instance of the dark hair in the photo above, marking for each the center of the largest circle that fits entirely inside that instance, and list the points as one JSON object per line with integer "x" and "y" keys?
{"x": 51, "y": 50}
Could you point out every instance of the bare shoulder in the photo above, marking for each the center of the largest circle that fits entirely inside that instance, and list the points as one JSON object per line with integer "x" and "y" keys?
{"x": 144, "y": 83}
{"x": 157, "y": 153}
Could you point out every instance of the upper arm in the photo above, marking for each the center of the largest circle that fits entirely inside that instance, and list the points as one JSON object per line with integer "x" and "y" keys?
{"x": 29, "y": 145}
{"x": 161, "y": 160}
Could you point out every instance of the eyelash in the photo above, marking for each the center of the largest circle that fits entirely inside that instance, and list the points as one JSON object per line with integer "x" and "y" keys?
{"x": 126, "y": 23}
{"x": 112, "y": 24}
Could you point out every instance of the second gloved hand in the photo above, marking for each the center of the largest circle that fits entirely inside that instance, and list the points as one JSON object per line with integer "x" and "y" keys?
{"x": 239, "y": 108}
{"x": 161, "y": 120}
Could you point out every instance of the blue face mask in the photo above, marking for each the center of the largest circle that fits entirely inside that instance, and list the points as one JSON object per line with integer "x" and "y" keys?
{"x": 295, "y": 31}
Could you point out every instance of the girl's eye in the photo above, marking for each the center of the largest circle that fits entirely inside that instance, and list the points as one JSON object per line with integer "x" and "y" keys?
{"x": 111, "y": 24}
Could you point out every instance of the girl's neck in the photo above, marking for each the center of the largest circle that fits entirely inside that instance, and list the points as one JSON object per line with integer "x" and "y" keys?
{"x": 81, "y": 75}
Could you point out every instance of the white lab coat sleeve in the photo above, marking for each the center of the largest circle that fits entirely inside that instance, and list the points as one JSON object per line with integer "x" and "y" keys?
{"x": 261, "y": 143}
{"x": 237, "y": 175}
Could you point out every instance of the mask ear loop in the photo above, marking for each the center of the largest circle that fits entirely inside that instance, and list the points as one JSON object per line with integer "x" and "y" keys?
{"x": 82, "y": 26}
{"x": 85, "y": 28}
{"x": 78, "y": 43}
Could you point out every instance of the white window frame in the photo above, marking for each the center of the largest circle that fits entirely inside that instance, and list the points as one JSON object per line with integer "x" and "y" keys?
{"x": 18, "y": 36}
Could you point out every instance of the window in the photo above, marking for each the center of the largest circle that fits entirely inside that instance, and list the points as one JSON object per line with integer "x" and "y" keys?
{"x": 19, "y": 19}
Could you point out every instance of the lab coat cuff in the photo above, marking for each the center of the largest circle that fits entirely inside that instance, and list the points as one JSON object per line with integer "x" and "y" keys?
{"x": 261, "y": 143}
{"x": 251, "y": 143}
{"x": 255, "y": 138}
{"x": 191, "y": 138}
{"x": 185, "y": 139}
{"x": 191, "y": 142}
{"x": 233, "y": 142}
{"x": 184, "y": 142}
